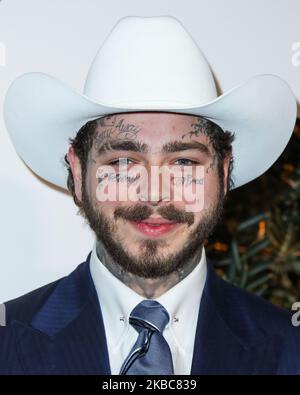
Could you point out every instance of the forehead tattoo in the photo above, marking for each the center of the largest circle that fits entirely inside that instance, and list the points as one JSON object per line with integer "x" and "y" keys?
{"x": 114, "y": 133}
{"x": 112, "y": 128}
{"x": 201, "y": 127}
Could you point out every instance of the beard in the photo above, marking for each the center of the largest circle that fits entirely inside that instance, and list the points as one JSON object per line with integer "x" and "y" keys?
{"x": 150, "y": 263}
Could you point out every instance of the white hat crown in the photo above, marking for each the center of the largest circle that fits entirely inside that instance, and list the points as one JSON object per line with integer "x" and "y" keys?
{"x": 150, "y": 61}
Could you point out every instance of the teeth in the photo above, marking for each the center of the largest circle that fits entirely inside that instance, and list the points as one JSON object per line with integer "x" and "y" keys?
{"x": 152, "y": 230}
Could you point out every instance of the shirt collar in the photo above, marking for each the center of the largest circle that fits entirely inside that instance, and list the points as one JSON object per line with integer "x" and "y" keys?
{"x": 117, "y": 300}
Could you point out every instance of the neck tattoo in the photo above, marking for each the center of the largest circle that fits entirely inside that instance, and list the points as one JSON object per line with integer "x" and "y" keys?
{"x": 148, "y": 288}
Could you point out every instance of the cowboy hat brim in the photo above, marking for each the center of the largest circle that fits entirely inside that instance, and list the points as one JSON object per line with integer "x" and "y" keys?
{"x": 41, "y": 113}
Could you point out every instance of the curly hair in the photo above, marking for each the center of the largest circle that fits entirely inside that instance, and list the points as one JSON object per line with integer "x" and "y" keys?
{"x": 220, "y": 140}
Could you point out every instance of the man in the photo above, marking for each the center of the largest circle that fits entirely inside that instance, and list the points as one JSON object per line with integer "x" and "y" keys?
{"x": 150, "y": 167}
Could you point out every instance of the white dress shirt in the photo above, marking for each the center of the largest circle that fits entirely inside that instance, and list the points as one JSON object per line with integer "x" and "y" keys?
{"x": 182, "y": 302}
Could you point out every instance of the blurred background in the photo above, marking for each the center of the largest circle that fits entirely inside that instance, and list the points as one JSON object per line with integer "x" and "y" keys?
{"x": 42, "y": 238}
{"x": 257, "y": 245}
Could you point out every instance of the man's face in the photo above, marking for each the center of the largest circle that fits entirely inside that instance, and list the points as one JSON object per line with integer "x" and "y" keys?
{"x": 155, "y": 234}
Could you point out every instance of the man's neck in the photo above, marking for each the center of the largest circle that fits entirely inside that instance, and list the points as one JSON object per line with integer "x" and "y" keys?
{"x": 148, "y": 288}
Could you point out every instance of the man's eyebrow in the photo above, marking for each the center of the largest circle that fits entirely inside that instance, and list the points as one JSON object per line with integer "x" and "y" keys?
{"x": 176, "y": 146}
{"x": 137, "y": 146}
{"x": 123, "y": 145}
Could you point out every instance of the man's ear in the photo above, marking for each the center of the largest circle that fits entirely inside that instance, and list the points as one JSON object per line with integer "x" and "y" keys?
{"x": 226, "y": 165}
{"x": 76, "y": 171}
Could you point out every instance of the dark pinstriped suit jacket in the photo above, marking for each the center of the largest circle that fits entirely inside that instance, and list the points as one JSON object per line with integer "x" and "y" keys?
{"x": 58, "y": 329}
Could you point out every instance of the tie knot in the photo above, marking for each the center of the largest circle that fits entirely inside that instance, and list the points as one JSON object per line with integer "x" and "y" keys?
{"x": 149, "y": 314}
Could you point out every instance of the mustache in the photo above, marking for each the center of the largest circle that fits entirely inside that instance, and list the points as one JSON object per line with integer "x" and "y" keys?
{"x": 141, "y": 212}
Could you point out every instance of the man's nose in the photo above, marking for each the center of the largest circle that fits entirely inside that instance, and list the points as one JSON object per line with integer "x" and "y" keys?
{"x": 154, "y": 190}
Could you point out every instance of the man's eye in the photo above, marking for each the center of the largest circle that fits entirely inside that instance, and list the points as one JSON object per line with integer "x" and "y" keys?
{"x": 120, "y": 162}
{"x": 185, "y": 162}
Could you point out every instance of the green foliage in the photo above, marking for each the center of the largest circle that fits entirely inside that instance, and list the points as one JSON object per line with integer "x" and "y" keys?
{"x": 257, "y": 246}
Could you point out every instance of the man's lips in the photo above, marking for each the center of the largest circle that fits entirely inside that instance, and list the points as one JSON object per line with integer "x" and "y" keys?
{"x": 154, "y": 227}
{"x": 156, "y": 220}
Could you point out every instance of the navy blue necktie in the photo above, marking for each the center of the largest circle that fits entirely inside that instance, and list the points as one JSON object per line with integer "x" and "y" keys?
{"x": 151, "y": 353}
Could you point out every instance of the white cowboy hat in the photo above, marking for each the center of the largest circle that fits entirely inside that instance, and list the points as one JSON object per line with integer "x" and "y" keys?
{"x": 148, "y": 63}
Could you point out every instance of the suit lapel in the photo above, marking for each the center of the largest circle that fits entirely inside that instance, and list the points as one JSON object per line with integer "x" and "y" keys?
{"x": 226, "y": 342}
{"x": 67, "y": 335}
